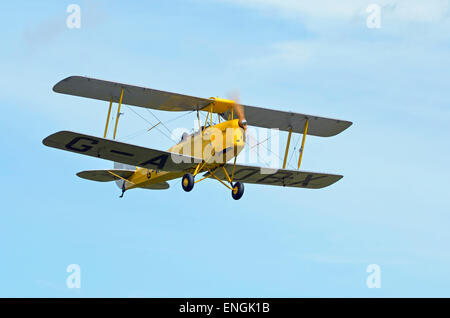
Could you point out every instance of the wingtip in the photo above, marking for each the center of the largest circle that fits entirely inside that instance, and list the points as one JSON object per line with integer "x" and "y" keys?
{"x": 47, "y": 141}
{"x": 348, "y": 124}
{"x": 59, "y": 84}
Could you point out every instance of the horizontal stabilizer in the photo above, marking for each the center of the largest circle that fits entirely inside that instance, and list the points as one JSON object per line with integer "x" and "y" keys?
{"x": 105, "y": 175}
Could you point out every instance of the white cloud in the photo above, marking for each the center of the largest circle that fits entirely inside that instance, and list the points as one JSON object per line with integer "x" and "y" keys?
{"x": 339, "y": 31}
{"x": 417, "y": 10}
{"x": 318, "y": 8}
{"x": 401, "y": 10}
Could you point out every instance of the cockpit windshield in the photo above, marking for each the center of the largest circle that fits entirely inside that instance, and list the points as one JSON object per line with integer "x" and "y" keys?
{"x": 193, "y": 133}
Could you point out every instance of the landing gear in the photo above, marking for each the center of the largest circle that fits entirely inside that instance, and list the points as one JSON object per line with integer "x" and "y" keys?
{"x": 237, "y": 188}
{"x": 123, "y": 189}
{"x": 237, "y": 191}
{"x": 187, "y": 182}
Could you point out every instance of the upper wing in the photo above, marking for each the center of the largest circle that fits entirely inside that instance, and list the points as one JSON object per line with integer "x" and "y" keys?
{"x": 133, "y": 95}
{"x": 120, "y": 152}
{"x": 278, "y": 177}
{"x": 161, "y": 100}
{"x": 270, "y": 118}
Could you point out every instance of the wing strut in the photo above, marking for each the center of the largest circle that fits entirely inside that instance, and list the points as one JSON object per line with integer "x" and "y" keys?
{"x": 287, "y": 148}
{"x": 118, "y": 113}
{"x": 107, "y": 118}
{"x": 117, "y": 176}
{"x": 305, "y": 131}
{"x": 117, "y": 117}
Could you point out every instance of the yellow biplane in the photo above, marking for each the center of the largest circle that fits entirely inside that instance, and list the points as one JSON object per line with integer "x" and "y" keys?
{"x": 209, "y": 151}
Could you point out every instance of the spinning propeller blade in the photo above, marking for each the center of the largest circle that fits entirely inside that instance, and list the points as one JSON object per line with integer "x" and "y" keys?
{"x": 239, "y": 110}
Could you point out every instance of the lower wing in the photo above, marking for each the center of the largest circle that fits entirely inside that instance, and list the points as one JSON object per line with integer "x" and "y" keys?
{"x": 278, "y": 177}
{"x": 119, "y": 151}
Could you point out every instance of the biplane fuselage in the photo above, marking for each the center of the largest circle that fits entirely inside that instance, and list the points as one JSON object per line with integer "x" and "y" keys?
{"x": 215, "y": 144}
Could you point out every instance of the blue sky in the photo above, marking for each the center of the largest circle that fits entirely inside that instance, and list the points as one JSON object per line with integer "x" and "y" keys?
{"x": 390, "y": 209}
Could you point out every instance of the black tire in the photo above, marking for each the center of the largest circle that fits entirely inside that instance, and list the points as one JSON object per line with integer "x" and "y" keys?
{"x": 187, "y": 182}
{"x": 238, "y": 190}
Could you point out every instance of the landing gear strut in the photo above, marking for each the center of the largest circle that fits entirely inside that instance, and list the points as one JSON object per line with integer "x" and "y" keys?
{"x": 237, "y": 188}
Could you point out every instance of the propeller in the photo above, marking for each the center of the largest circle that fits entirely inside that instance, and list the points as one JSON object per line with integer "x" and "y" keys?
{"x": 238, "y": 109}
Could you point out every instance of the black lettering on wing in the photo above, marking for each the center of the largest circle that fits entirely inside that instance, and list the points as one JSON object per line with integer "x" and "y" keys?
{"x": 78, "y": 146}
{"x": 242, "y": 175}
{"x": 305, "y": 182}
{"x": 279, "y": 177}
{"x": 159, "y": 162}
{"x": 122, "y": 153}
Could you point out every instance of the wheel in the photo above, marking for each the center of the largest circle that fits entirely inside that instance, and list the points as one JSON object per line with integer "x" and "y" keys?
{"x": 187, "y": 182}
{"x": 238, "y": 190}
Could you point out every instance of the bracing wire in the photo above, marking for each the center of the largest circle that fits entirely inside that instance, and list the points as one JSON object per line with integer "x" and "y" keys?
{"x": 143, "y": 131}
{"x": 262, "y": 144}
{"x": 156, "y": 117}
{"x": 178, "y": 117}
{"x": 150, "y": 123}
{"x": 295, "y": 148}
